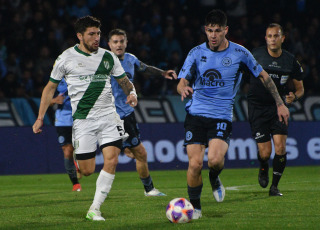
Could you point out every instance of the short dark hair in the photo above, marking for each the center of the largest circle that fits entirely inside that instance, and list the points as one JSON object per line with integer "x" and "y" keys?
{"x": 116, "y": 32}
{"x": 85, "y": 22}
{"x": 272, "y": 25}
{"x": 216, "y": 17}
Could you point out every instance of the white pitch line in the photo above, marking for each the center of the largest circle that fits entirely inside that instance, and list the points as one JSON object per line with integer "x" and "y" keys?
{"x": 237, "y": 188}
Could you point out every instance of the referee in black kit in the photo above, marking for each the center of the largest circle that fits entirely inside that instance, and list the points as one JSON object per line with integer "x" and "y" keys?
{"x": 262, "y": 109}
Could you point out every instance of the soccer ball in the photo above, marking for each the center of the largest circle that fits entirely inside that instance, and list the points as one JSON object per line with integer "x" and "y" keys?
{"x": 179, "y": 210}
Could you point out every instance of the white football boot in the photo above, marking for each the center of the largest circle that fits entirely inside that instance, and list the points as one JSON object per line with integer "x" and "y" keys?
{"x": 218, "y": 190}
{"x": 154, "y": 192}
{"x": 94, "y": 215}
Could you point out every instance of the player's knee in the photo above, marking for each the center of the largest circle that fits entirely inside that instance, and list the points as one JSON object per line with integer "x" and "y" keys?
{"x": 265, "y": 154}
{"x": 111, "y": 161}
{"x": 195, "y": 165}
{"x": 215, "y": 162}
{"x": 86, "y": 172}
{"x": 280, "y": 150}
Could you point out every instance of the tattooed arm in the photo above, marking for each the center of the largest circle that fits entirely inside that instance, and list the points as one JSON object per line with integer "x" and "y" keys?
{"x": 129, "y": 90}
{"x": 283, "y": 112}
{"x": 151, "y": 70}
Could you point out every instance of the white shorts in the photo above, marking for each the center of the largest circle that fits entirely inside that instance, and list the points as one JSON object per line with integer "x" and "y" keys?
{"x": 86, "y": 133}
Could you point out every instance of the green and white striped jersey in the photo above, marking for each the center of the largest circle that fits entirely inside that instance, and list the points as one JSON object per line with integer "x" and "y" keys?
{"x": 88, "y": 80}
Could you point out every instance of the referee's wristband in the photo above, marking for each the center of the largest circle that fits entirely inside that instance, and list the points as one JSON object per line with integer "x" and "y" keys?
{"x": 133, "y": 93}
{"x": 295, "y": 98}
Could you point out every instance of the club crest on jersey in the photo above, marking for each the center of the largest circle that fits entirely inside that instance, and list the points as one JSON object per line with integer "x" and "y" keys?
{"x": 226, "y": 61}
{"x": 212, "y": 77}
{"x": 284, "y": 79}
{"x": 106, "y": 64}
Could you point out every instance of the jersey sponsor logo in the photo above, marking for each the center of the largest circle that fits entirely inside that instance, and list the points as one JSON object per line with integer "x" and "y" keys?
{"x": 188, "y": 136}
{"x": 226, "y": 61}
{"x": 94, "y": 78}
{"x": 273, "y": 75}
{"x": 212, "y": 77}
{"x": 203, "y": 59}
{"x": 274, "y": 64}
{"x": 242, "y": 51}
{"x": 284, "y": 79}
{"x": 258, "y": 136}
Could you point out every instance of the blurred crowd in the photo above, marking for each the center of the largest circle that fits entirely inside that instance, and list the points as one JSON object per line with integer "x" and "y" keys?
{"x": 160, "y": 33}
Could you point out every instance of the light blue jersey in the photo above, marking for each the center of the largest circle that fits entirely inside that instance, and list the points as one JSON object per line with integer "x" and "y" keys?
{"x": 129, "y": 63}
{"x": 64, "y": 112}
{"x": 215, "y": 78}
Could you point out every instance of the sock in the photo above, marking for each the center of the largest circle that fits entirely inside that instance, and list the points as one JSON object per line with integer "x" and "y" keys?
{"x": 103, "y": 187}
{"x": 147, "y": 183}
{"x": 213, "y": 175}
{"x": 263, "y": 163}
{"x": 279, "y": 164}
{"x": 71, "y": 170}
{"x": 194, "y": 196}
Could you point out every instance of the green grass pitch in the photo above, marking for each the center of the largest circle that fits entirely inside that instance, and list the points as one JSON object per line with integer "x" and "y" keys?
{"x": 47, "y": 202}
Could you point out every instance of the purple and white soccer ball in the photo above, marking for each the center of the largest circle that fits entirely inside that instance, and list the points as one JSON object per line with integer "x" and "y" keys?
{"x": 179, "y": 210}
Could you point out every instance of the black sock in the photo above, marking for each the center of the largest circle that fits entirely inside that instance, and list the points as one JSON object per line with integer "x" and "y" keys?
{"x": 71, "y": 170}
{"x": 213, "y": 174}
{"x": 194, "y": 196}
{"x": 279, "y": 164}
{"x": 263, "y": 163}
{"x": 147, "y": 183}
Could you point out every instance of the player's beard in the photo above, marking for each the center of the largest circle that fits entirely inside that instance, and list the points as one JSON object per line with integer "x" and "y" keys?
{"x": 90, "y": 48}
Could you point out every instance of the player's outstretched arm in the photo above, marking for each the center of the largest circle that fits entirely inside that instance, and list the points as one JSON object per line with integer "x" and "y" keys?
{"x": 129, "y": 90}
{"x": 46, "y": 98}
{"x": 151, "y": 70}
{"x": 184, "y": 89}
{"x": 283, "y": 112}
{"x": 291, "y": 97}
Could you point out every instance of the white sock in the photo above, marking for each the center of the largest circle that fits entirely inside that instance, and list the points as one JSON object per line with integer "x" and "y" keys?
{"x": 103, "y": 187}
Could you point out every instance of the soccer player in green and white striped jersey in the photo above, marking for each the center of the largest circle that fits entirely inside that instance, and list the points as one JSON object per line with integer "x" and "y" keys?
{"x": 87, "y": 69}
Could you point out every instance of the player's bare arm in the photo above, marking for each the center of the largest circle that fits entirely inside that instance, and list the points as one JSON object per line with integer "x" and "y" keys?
{"x": 46, "y": 98}
{"x": 151, "y": 70}
{"x": 184, "y": 89}
{"x": 293, "y": 96}
{"x": 283, "y": 112}
{"x": 57, "y": 100}
{"x": 129, "y": 90}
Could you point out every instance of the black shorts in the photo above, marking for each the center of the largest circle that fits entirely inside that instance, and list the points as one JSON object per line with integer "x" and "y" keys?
{"x": 131, "y": 127}
{"x": 200, "y": 130}
{"x": 64, "y": 135}
{"x": 265, "y": 123}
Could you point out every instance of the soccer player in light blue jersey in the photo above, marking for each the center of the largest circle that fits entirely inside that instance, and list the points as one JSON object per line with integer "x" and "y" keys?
{"x": 63, "y": 123}
{"x": 133, "y": 146}
{"x": 211, "y": 74}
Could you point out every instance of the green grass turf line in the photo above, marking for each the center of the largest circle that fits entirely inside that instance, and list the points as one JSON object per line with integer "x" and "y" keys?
{"x": 47, "y": 202}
